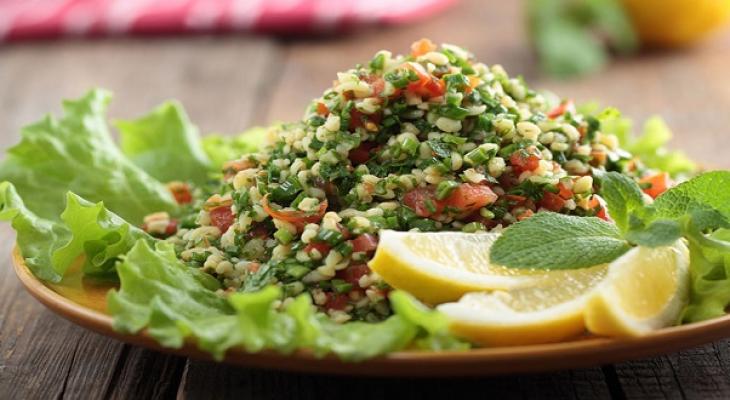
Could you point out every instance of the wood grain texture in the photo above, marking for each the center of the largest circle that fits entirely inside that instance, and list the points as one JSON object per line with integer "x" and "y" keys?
{"x": 214, "y": 381}
{"x": 227, "y": 83}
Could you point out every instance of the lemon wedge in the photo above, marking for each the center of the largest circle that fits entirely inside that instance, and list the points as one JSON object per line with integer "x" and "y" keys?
{"x": 645, "y": 289}
{"x": 551, "y": 311}
{"x": 439, "y": 267}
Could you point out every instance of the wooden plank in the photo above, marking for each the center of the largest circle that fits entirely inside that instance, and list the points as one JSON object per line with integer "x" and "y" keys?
{"x": 700, "y": 373}
{"x": 215, "y": 381}
{"x": 218, "y": 80}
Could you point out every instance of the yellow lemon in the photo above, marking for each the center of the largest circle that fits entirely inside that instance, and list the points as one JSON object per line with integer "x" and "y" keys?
{"x": 645, "y": 289}
{"x": 438, "y": 267}
{"x": 676, "y": 22}
{"x": 546, "y": 313}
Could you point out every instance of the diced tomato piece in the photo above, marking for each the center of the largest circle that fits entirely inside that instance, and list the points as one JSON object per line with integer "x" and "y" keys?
{"x": 473, "y": 83}
{"x": 427, "y": 85}
{"x": 322, "y": 109}
{"x": 599, "y": 205}
{"x": 362, "y": 153}
{"x": 358, "y": 119}
{"x": 525, "y": 214}
{"x": 181, "y": 192}
{"x": 365, "y": 243}
{"x": 259, "y": 230}
{"x": 560, "y": 109}
{"x": 469, "y": 197}
{"x": 171, "y": 228}
{"x": 322, "y": 248}
{"x": 418, "y": 199}
{"x": 353, "y": 273}
{"x": 221, "y": 217}
{"x": 552, "y": 201}
{"x": 655, "y": 184}
{"x": 564, "y": 192}
{"x": 523, "y": 160}
{"x": 421, "y": 47}
{"x": 296, "y": 217}
{"x": 336, "y": 301}
{"x": 515, "y": 199}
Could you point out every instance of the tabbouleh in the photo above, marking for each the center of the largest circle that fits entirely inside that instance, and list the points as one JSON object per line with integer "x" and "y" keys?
{"x": 429, "y": 141}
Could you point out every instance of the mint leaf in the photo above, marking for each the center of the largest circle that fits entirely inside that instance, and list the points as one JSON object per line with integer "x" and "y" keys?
{"x": 706, "y": 192}
{"x": 623, "y": 197}
{"x": 556, "y": 241}
{"x": 656, "y": 234}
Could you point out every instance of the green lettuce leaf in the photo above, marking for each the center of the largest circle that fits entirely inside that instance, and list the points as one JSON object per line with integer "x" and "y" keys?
{"x": 76, "y": 153}
{"x": 97, "y": 233}
{"x": 166, "y": 145}
{"x": 221, "y": 148}
{"x": 650, "y": 146}
{"x": 710, "y": 281}
{"x": 178, "y": 303}
{"x": 37, "y": 237}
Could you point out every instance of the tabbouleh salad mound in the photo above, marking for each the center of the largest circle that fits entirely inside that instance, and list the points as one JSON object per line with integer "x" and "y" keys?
{"x": 429, "y": 141}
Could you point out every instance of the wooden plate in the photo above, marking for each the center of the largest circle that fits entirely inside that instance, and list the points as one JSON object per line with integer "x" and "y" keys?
{"x": 84, "y": 303}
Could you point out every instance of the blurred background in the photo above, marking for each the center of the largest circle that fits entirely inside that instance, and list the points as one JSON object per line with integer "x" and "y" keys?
{"x": 234, "y": 64}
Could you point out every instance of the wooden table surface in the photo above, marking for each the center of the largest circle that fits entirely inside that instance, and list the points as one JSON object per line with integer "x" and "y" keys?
{"x": 229, "y": 83}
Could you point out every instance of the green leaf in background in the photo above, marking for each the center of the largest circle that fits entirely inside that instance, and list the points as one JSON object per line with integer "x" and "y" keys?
{"x": 651, "y": 146}
{"x": 623, "y": 197}
{"x": 221, "y": 148}
{"x": 570, "y": 37}
{"x": 76, "y": 153}
{"x": 97, "y": 233}
{"x": 37, "y": 237}
{"x": 557, "y": 241}
{"x": 165, "y": 144}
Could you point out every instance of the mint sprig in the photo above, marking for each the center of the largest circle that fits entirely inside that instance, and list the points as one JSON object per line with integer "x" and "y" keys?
{"x": 557, "y": 241}
{"x": 697, "y": 210}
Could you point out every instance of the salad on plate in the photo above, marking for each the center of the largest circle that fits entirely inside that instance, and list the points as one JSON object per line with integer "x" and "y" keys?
{"x": 424, "y": 202}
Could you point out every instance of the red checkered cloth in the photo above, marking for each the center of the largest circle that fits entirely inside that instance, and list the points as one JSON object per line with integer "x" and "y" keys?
{"x": 32, "y": 19}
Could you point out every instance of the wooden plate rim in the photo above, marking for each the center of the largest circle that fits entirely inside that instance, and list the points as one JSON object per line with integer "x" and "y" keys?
{"x": 476, "y": 362}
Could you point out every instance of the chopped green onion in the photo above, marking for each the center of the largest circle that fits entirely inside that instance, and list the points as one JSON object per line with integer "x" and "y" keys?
{"x": 477, "y": 156}
{"x": 341, "y": 286}
{"x": 409, "y": 146}
{"x": 378, "y": 62}
{"x": 453, "y": 139}
{"x": 445, "y": 188}
{"x": 430, "y": 206}
{"x": 329, "y": 236}
{"x": 473, "y": 227}
{"x": 283, "y": 236}
{"x": 296, "y": 271}
{"x": 344, "y": 248}
{"x": 485, "y": 213}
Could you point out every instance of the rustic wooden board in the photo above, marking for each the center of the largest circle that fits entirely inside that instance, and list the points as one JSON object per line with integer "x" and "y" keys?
{"x": 227, "y": 84}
